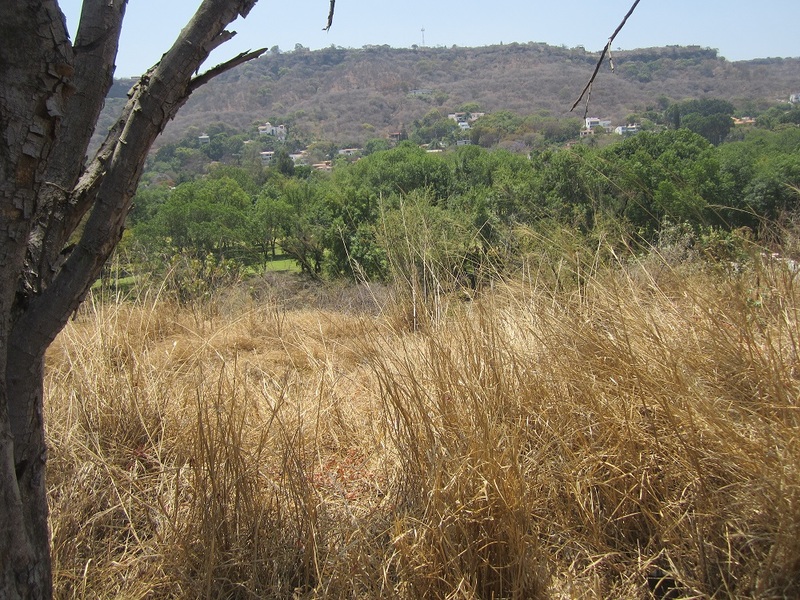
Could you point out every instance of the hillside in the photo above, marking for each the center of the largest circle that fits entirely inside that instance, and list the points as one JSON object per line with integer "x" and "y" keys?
{"x": 352, "y": 95}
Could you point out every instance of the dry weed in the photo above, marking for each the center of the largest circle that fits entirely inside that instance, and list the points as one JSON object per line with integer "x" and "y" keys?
{"x": 632, "y": 435}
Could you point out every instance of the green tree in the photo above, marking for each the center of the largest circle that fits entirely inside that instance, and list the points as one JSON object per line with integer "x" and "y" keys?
{"x": 434, "y": 127}
{"x": 714, "y": 128}
{"x": 250, "y": 161}
{"x": 709, "y": 117}
{"x": 272, "y": 218}
{"x": 282, "y": 162}
{"x": 322, "y": 150}
{"x": 671, "y": 175}
{"x": 209, "y": 216}
{"x": 429, "y": 252}
{"x": 308, "y": 224}
{"x": 760, "y": 171}
{"x": 375, "y": 145}
{"x": 243, "y": 177}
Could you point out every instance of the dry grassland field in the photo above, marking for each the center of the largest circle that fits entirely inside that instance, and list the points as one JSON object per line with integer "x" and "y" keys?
{"x": 576, "y": 431}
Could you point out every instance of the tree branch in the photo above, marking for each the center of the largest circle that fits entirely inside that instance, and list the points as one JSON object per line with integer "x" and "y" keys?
{"x": 330, "y": 16}
{"x": 89, "y": 77}
{"x": 226, "y": 66}
{"x": 110, "y": 181}
{"x": 606, "y": 49}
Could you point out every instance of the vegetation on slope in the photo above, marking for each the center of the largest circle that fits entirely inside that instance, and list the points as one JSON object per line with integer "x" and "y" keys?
{"x": 348, "y": 96}
{"x": 334, "y": 224}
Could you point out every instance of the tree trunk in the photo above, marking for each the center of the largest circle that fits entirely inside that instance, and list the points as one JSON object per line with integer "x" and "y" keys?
{"x": 26, "y": 552}
{"x": 51, "y": 93}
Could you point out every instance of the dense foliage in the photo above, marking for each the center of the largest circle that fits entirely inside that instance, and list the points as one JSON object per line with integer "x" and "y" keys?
{"x": 353, "y": 221}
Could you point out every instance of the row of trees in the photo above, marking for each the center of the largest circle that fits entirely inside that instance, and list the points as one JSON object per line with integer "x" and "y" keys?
{"x": 337, "y": 223}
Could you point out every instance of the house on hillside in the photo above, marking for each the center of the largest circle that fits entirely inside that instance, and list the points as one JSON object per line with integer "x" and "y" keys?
{"x": 299, "y": 158}
{"x": 592, "y": 122}
{"x": 465, "y": 117}
{"x": 204, "y": 138}
{"x": 266, "y": 157}
{"x": 626, "y": 130}
{"x": 794, "y": 99}
{"x": 278, "y": 131}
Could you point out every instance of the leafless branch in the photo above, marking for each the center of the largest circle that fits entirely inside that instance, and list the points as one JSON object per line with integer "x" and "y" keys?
{"x": 226, "y": 66}
{"x": 330, "y": 16}
{"x": 606, "y": 50}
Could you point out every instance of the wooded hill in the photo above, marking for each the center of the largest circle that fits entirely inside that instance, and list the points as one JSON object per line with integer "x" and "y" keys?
{"x": 348, "y": 96}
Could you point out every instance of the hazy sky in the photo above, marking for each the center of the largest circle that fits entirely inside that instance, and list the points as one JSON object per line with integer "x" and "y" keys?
{"x": 739, "y": 29}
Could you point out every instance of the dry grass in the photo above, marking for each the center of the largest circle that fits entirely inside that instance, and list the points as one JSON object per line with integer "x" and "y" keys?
{"x": 630, "y": 436}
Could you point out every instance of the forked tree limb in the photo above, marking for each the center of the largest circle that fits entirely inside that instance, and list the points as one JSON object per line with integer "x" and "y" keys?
{"x": 605, "y": 51}
{"x": 108, "y": 182}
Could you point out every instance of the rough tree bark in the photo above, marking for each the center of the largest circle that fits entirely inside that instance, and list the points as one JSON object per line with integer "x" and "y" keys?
{"x": 51, "y": 93}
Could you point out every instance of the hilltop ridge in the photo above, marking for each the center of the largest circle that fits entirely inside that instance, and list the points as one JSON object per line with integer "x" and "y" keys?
{"x": 351, "y": 95}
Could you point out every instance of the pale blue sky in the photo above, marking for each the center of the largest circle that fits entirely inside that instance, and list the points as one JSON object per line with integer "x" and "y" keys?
{"x": 739, "y": 29}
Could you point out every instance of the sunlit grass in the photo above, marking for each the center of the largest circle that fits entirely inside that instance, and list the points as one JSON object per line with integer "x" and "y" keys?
{"x": 282, "y": 265}
{"x": 583, "y": 440}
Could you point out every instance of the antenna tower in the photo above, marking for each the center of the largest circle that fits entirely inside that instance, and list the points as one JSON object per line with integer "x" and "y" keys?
{"x": 423, "y": 36}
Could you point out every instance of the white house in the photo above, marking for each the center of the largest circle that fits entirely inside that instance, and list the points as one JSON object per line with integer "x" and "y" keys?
{"x": 629, "y": 129}
{"x": 794, "y": 99}
{"x": 592, "y": 122}
{"x": 278, "y": 131}
{"x": 465, "y": 117}
{"x": 204, "y": 139}
{"x": 266, "y": 157}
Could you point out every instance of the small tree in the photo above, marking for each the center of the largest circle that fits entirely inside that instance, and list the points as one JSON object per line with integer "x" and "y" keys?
{"x": 272, "y": 217}
{"x": 51, "y": 94}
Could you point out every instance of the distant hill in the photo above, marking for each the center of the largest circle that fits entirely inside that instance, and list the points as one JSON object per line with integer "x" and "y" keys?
{"x": 348, "y": 96}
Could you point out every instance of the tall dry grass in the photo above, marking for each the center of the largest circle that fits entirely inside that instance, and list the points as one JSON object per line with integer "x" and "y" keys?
{"x": 626, "y": 432}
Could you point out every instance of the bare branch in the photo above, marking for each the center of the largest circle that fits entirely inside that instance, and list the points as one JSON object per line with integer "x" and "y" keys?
{"x": 607, "y": 49}
{"x": 223, "y": 37}
{"x": 226, "y": 66}
{"x": 330, "y": 16}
